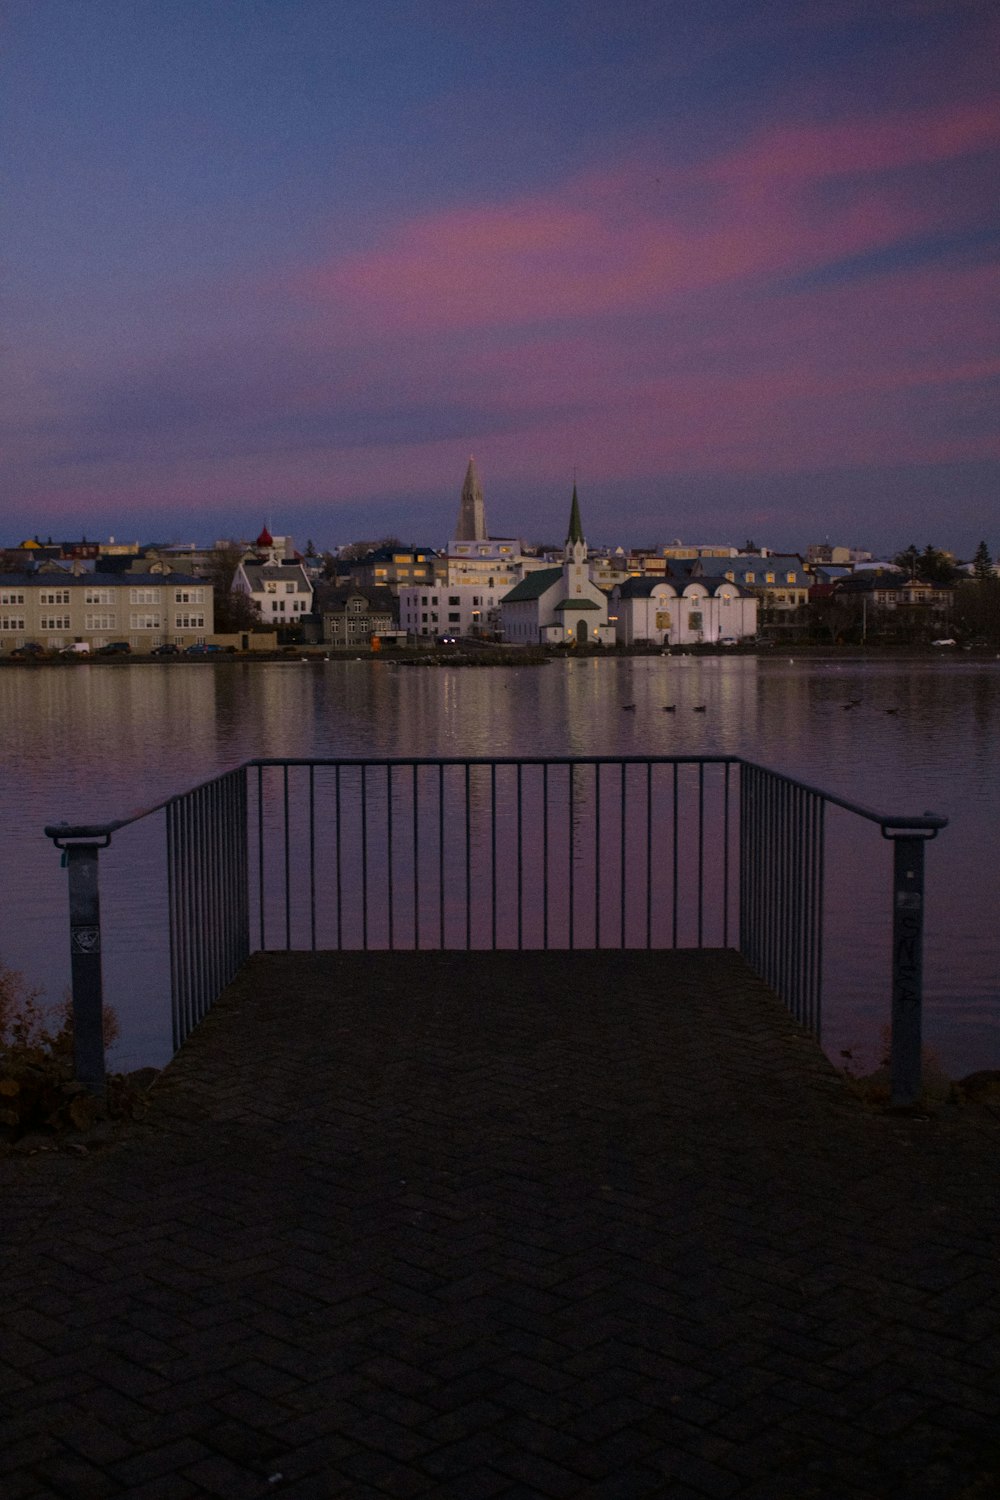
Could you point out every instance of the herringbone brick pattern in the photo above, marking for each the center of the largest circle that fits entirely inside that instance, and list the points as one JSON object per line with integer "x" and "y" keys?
{"x": 504, "y": 1225}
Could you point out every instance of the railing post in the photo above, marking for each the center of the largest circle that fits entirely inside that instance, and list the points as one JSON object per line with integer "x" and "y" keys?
{"x": 907, "y": 967}
{"x": 85, "y": 962}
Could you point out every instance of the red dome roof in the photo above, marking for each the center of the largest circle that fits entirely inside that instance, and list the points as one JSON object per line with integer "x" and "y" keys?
{"x": 265, "y": 539}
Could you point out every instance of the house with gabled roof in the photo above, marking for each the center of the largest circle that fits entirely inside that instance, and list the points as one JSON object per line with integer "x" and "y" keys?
{"x": 559, "y": 606}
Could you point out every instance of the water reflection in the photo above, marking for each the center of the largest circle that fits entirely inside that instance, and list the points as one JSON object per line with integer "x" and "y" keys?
{"x": 88, "y": 741}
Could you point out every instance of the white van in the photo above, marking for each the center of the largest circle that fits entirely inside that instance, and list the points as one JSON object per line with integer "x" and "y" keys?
{"x": 76, "y": 648}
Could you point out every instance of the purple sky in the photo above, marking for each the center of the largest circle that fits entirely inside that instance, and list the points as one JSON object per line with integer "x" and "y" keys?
{"x": 733, "y": 265}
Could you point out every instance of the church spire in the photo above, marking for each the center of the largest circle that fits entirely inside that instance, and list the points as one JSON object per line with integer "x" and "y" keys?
{"x": 576, "y": 546}
{"x": 472, "y": 510}
{"x": 575, "y": 529}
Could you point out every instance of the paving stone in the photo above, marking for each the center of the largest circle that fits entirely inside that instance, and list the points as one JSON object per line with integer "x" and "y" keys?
{"x": 498, "y": 1225}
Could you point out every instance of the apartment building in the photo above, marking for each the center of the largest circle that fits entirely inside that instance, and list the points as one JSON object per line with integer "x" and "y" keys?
{"x": 56, "y": 610}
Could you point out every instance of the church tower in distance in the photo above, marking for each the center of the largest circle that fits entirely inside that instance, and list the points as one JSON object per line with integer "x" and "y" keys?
{"x": 576, "y": 546}
{"x": 472, "y": 511}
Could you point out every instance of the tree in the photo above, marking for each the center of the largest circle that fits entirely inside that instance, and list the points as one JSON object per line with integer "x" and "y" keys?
{"x": 982, "y": 564}
{"x": 233, "y": 611}
{"x": 929, "y": 566}
{"x": 908, "y": 560}
{"x": 936, "y": 566}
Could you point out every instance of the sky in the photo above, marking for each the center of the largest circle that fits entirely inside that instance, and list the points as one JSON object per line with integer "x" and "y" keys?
{"x": 731, "y": 267}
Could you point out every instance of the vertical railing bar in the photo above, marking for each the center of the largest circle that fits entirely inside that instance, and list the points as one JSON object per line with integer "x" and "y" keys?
{"x": 597, "y": 855}
{"x": 312, "y": 858}
{"x": 172, "y": 896}
{"x": 231, "y": 866}
{"x": 624, "y": 824}
{"x": 769, "y": 833}
{"x": 388, "y": 852}
{"x": 520, "y": 859}
{"x": 188, "y": 914}
{"x": 572, "y": 869}
{"x": 820, "y": 914}
{"x": 701, "y": 852}
{"x": 288, "y": 864}
{"x": 468, "y": 857}
{"x": 649, "y": 854}
{"x": 201, "y": 846}
{"x": 441, "y": 852}
{"x": 338, "y": 857}
{"x": 260, "y": 853}
{"x": 794, "y": 895}
{"x": 545, "y": 855}
{"x": 726, "y": 835}
{"x": 212, "y": 893}
{"x": 364, "y": 857}
{"x": 193, "y": 896}
{"x": 493, "y": 855}
{"x": 812, "y": 916}
{"x": 674, "y": 895}
{"x": 416, "y": 861}
{"x": 224, "y": 863}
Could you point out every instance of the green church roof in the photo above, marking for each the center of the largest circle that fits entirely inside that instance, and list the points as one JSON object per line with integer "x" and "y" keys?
{"x": 577, "y": 604}
{"x": 533, "y": 585}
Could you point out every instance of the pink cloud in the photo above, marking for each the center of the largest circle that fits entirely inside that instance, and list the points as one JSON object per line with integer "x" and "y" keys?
{"x": 640, "y": 236}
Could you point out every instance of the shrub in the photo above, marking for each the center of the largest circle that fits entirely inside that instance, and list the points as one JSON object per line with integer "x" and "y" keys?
{"x": 37, "y": 1088}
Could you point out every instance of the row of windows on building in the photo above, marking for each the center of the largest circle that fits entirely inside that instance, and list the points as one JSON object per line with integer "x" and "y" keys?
{"x": 50, "y": 598}
{"x": 189, "y": 620}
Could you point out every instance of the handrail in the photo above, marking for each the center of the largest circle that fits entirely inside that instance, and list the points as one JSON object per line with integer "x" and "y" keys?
{"x": 927, "y": 822}
{"x": 780, "y": 879}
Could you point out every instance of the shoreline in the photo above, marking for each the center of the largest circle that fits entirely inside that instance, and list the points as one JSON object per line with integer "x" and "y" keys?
{"x": 509, "y": 656}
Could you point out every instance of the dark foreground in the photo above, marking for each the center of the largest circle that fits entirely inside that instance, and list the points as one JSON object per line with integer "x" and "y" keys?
{"x": 504, "y": 1225}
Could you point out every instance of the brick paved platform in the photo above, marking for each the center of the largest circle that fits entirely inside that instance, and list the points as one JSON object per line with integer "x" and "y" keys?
{"x": 470, "y": 1226}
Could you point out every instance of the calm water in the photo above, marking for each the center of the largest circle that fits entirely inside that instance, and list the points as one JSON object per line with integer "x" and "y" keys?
{"x": 92, "y": 742}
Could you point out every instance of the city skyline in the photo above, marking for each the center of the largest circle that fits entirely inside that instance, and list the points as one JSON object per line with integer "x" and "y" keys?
{"x": 737, "y": 273}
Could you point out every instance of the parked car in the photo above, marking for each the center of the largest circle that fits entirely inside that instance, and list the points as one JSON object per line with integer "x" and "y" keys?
{"x": 29, "y": 649}
{"x": 167, "y": 649}
{"x": 202, "y": 648}
{"x": 115, "y": 648}
{"x": 947, "y": 642}
{"x": 76, "y": 648}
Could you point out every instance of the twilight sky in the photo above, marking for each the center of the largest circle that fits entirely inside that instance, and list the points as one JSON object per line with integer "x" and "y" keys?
{"x": 734, "y": 265}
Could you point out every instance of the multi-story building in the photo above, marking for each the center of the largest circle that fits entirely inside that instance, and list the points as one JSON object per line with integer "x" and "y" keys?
{"x": 780, "y": 581}
{"x": 353, "y": 617}
{"x": 394, "y": 568}
{"x": 453, "y": 609}
{"x": 145, "y": 609}
{"x": 280, "y": 592}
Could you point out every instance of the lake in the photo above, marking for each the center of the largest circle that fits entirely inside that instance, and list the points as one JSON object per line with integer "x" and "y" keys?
{"x": 88, "y": 741}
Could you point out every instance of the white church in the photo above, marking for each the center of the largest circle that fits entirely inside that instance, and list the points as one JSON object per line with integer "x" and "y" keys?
{"x": 559, "y": 606}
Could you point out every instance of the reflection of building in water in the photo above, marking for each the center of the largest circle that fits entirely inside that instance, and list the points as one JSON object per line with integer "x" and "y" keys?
{"x": 559, "y": 606}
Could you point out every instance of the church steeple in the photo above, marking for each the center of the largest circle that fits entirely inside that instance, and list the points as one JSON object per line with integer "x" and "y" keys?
{"x": 472, "y": 510}
{"x": 576, "y": 546}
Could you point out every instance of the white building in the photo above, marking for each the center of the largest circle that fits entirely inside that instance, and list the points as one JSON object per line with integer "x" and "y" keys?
{"x": 559, "y": 606}
{"x": 452, "y": 609}
{"x": 682, "y": 611}
{"x": 279, "y": 588}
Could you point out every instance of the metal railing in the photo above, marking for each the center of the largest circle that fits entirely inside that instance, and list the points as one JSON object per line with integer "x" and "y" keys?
{"x": 574, "y": 852}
